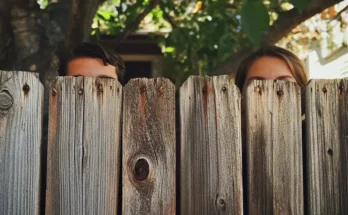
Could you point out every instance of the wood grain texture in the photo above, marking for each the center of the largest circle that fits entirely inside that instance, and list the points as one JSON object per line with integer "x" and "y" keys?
{"x": 84, "y": 146}
{"x": 274, "y": 148}
{"x": 327, "y": 146}
{"x": 210, "y": 149}
{"x": 148, "y": 150}
{"x": 21, "y": 105}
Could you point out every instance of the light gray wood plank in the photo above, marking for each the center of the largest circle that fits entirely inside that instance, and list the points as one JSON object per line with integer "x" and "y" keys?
{"x": 21, "y": 105}
{"x": 102, "y": 132}
{"x": 83, "y": 146}
{"x": 148, "y": 150}
{"x": 211, "y": 151}
{"x": 274, "y": 148}
{"x": 327, "y": 146}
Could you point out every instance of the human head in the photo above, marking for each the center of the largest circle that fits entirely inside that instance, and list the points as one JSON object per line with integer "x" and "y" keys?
{"x": 91, "y": 59}
{"x": 272, "y": 54}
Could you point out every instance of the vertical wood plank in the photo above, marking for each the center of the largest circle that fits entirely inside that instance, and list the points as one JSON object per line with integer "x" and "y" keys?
{"x": 83, "y": 146}
{"x": 148, "y": 149}
{"x": 102, "y": 132}
{"x": 211, "y": 151}
{"x": 274, "y": 148}
{"x": 21, "y": 105}
{"x": 327, "y": 146}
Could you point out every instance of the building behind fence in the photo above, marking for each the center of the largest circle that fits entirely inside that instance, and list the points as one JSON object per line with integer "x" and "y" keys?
{"x": 114, "y": 149}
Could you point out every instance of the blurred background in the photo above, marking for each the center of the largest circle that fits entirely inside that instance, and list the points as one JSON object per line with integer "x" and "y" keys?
{"x": 174, "y": 39}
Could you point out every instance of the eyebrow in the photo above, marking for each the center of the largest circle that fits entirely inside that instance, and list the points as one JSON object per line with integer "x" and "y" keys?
{"x": 262, "y": 78}
{"x": 100, "y": 76}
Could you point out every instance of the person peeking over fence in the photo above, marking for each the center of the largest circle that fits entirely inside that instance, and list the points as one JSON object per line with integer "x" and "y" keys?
{"x": 93, "y": 60}
{"x": 272, "y": 63}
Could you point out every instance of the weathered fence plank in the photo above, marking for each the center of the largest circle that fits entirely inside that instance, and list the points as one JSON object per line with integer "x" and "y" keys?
{"x": 274, "y": 148}
{"x": 21, "y": 104}
{"x": 327, "y": 146}
{"x": 84, "y": 146}
{"x": 210, "y": 150}
{"x": 148, "y": 149}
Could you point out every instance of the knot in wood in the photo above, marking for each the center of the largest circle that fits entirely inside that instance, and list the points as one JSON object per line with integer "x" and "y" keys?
{"x": 220, "y": 203}
{"x": 80, "y": 91}
{"x": 6, "y": 100}
{"x": 224, "y": 88}
{"x": 141, "y": 170}
{"x": 26, "y": 89}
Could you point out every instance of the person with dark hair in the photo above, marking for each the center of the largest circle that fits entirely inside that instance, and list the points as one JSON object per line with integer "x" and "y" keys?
{"x": 91, "y": 59}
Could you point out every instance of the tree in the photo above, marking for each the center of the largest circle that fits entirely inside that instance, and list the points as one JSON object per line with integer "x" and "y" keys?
{"x": 198, "y": 37}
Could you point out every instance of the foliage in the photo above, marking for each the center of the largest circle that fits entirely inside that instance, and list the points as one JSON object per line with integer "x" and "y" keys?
{"x": 196, "y": 35}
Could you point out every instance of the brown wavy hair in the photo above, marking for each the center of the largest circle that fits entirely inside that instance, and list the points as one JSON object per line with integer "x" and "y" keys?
{"x": 93, "y": 50}
{"x": 297, "y": 67}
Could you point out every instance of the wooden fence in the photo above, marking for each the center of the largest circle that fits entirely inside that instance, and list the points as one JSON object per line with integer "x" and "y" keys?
{"x": 114, "y": 149}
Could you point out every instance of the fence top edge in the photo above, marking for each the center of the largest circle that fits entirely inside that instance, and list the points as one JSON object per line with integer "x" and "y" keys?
{"x": 150, "y": 81}
{"x": 83, "y": 78}
{"x": 312, "y": 82}
{"x": 35, "y": 75}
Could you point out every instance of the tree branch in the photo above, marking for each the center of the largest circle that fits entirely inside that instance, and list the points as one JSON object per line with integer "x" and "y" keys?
{"x": 281, "y": 27}
{"x": 134, "y": 25}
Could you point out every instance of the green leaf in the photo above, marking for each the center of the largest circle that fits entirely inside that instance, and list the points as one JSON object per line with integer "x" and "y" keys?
{"x": 170, "y": 49}
{"x": 300, "y": 4}
{"x": 255, "y": 20}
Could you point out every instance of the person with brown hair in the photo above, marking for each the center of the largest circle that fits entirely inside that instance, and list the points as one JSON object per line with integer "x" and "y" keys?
{"x": 91, "y": 59}
{"x": 272, "y": 63}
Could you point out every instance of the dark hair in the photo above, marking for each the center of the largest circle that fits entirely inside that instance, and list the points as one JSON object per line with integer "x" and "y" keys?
{"x": 93, "y": 50}
{"x": 297, "y": 68}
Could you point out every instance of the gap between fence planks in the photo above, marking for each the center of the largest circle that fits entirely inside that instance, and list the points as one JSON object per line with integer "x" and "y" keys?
{"x": 149, "y": 164}
{"x": 21, "y": 104}
{"x": 327, "y": 149}
{"x": 274, "y": 148}
{"x": 211, "y": 151}
{"x": 83, "y": 146}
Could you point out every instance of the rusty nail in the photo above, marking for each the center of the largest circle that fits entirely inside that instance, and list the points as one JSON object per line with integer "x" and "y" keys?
{"x": 80, "y": 91}
{"x": 26, "y": 88}
{"x": 224, "y": 88}
{"x": 324, "y": 89}
{"x": 54, "y": 92}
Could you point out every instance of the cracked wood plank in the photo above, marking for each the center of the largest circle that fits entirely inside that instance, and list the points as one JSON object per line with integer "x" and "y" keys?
{"x": 21, "y": 111}
{"x": 84, "y": 146}
{"x": 274, "y": 148}
{"x": 149, "y": 156}
{"x": 327, "y": 146}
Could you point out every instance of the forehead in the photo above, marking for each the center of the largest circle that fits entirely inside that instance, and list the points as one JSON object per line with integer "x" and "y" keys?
{"x": 269, "y": 65}
{"x": 93, "y": 67}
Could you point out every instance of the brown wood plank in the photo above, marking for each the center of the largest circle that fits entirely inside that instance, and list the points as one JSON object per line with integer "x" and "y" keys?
{"x": 148, "y": 150}
{"x": 84, "y": 146}
{"x": 211, "y": 151}
{"x": 21, "y": 105}
{"x": 274, "y": 148}
{"x": 327, "y": 146}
